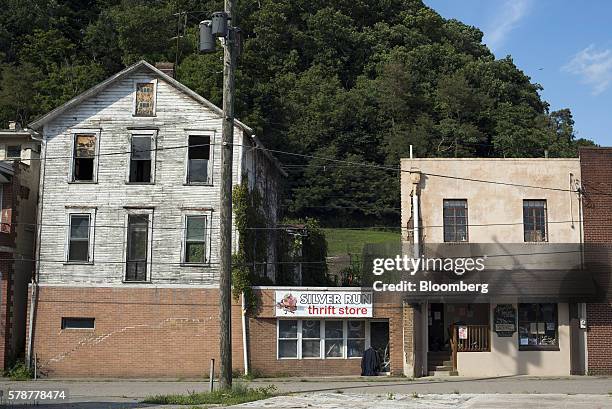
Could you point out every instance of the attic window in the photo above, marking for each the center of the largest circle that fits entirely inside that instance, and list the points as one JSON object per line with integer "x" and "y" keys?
{"x": 145, "y": 99}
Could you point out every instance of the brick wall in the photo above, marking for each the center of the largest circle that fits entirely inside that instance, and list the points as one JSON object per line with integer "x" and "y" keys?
{"x": 6, "y": 295}
{"x": 262, "y": 343}
{"x": 596, "y": 170}
{"x": 139, "y": 332}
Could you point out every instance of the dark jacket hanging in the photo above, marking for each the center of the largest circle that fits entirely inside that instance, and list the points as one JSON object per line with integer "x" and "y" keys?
{"x": 370, "y": 363}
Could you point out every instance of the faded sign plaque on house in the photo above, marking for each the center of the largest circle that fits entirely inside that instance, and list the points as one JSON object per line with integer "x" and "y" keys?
{"x": 144, "y": 99}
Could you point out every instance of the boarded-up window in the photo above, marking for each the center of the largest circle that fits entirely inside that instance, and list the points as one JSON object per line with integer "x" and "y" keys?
{"x": 145, "y": 99}
{"x": 84, "y": 156}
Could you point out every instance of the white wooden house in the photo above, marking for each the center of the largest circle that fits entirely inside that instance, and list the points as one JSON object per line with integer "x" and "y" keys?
{"x": 129, "y": 201}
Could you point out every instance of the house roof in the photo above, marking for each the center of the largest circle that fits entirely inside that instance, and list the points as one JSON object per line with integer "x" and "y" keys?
{"x": 38, "y": 123}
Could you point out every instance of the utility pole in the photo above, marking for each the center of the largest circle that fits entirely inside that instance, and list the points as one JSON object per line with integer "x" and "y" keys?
{"x": 219, "y": 26}
{"x": 225, "y": 311}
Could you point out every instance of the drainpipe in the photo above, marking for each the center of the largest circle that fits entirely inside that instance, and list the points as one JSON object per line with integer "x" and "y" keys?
{"x": 415, "y": 178}
{"x": 245, "y": 349}
{"x": 34, "y": 295}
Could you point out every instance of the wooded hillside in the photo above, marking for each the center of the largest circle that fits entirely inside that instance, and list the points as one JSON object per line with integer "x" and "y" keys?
{"x": 353, "y": 80}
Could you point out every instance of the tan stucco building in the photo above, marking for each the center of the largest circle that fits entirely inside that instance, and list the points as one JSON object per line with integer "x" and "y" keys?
{"x": 523, "y": 218}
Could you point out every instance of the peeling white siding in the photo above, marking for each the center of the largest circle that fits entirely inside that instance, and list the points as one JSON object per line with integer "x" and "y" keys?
{"x": 110, "y": 112}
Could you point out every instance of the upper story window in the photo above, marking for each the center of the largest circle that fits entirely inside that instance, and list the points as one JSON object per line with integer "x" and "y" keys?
{"x": 140, "y": 159}
{"x": 137, "y": 246}
{"x": 455, "y": 220}
{"x": 145, "y": 99}
{"x": 198, "y": 160}
{"x": 534, "y": 220}
{"x": 78, "y": 240}
{"x": 13, "y": 152}
{"x": 195, "y": 239}
{"x": 84, "y": 158}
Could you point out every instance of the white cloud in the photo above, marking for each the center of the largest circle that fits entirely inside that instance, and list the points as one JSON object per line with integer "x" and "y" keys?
{"x": 506, "y": 20}
{"x": 594, "y": 66}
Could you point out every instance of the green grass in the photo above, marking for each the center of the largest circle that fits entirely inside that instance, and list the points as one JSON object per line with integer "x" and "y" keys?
{"x": 239, "y": 394}
{"x": 344, "y": 241}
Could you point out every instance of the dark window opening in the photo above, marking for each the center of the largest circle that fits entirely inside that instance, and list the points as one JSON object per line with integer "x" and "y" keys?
{"x": 534, "y": 220}
{"x": 137, "y": 247}
{"x": 455, "y": 220}
{"x": 144, "y": 99}
{"x": 84, "y": 156}
{"x": 195, "y": 239}
{"x": 140, "y": 159}
{"x": 198, "y": 157}
{"x": 78, "y": 323}
{"x": 538, "y": 326}
{"x": 13, "y": 152}
{"x": 78, "y": 243}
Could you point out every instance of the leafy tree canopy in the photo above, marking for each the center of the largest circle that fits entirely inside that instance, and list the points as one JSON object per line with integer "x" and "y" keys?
{"x": 354, "y": 80}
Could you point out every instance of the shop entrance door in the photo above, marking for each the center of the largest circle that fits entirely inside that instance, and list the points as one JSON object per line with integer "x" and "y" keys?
{"x": 437, "y": 330}
{"x": 379, "y": 340}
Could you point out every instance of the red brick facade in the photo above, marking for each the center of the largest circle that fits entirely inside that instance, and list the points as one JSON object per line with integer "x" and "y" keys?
{"x": 166, "y": 332}
{"x": 263, "y": 346}
{"x": 596, "y": 170}
{"x": 139, "y": 332}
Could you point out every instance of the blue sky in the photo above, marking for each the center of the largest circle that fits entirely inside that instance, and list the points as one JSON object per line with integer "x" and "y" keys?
{"x": 564, "y": 45}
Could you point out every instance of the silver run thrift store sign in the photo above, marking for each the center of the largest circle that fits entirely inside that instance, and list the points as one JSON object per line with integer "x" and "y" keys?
{"x": 339, "y": 304}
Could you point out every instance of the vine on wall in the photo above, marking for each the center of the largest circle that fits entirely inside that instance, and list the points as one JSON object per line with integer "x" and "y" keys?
{"x": 248, "y": 263}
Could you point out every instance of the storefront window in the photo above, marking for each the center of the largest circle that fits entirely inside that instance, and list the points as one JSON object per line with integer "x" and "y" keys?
{"x": 538, "y": 327}
{"x": 311, "y": 339}
{"x": 287, "y": 339}
{"x": 334, "y": 339}
{"x": 322, "y": 339}
{"x": 356, "y": 339}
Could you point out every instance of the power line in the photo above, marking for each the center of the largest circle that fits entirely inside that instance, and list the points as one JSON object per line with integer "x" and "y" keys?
{"x": 353, "y": 163}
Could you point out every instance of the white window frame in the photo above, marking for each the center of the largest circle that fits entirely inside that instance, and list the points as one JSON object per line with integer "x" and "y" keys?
{"x": 207, "y": 214}
{"x": 211, "y": 135}
{"x": 73, "y": 133}
{"x": 135, "y": 88}
{"x": 80, "y": 211}
{"x": 323, "y": 321}
{"x": 152, "y": 133}
{"x": 138, "y": 211}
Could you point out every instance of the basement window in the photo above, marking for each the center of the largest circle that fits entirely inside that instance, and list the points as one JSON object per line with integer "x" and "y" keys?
{"x": 78, "y": 323}
{"x": 84, "y": 158}
{"x": 140, "y": 159}
{"x": 145, "y": 99}
{"x": 198, "y": 159}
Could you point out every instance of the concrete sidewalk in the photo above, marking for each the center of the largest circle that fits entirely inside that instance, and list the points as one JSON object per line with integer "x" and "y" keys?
{"x": 120, "y": 394}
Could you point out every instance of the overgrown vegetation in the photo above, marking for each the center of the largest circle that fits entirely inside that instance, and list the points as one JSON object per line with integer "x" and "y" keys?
{"x": 239, "y": 393}
{"x": 249, "y": 262}
{"x": 19, "y": 372}
{"x": 302, "y": 241}
{"x": 356, "y": 80}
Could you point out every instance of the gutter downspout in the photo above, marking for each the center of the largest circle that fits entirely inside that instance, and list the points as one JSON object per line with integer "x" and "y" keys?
{"x": 245, "y": 349}
{"x": 582, "y": 307}
{"x": 35, "y": 279}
